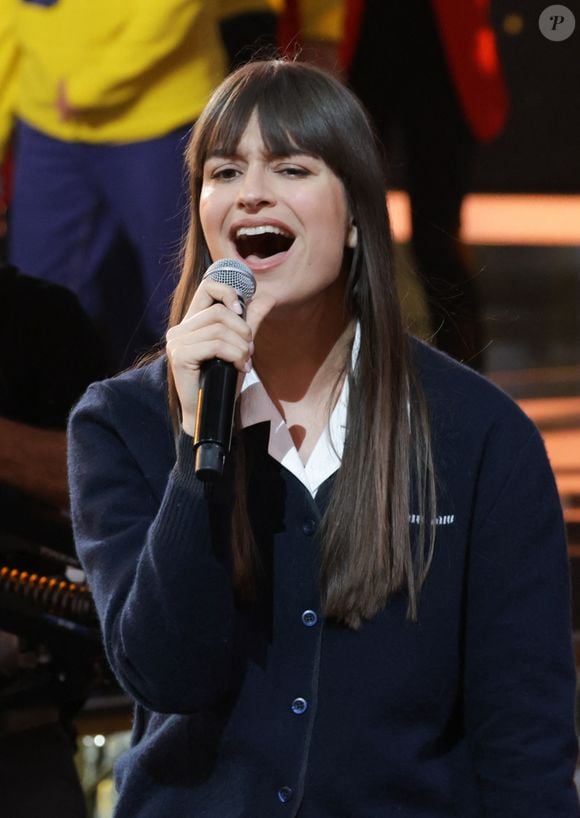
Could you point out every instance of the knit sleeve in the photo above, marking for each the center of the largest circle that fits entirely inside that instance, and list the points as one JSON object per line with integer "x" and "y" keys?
{"x": 519, "y": 669}
{"x": 155, "y": 32}
{"x": 163, "y": 592}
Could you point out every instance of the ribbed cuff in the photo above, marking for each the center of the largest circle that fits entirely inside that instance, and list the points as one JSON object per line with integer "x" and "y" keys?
{"x": 185, "y": 464}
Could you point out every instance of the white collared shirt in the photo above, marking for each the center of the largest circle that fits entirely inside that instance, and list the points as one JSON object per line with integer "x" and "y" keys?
{"x": 256, "y": 406}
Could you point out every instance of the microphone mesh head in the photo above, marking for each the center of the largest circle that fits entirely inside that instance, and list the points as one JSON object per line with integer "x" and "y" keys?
{"x": 235, "y": 274}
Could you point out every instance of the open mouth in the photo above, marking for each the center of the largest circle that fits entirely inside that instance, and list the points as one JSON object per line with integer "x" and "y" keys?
{"x": 262, "y": 241}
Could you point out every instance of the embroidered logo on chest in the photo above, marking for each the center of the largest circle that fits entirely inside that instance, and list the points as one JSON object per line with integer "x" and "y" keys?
{"x": 441, "y": 519}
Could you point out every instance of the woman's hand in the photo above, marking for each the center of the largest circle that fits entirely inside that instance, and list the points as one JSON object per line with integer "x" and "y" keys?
{"x": 212, "y": 328}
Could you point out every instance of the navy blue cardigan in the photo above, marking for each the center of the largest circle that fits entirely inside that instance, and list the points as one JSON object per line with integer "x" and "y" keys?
{"x": 251, "y": 711}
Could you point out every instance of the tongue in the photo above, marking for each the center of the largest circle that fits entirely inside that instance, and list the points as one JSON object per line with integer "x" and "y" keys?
{"x": 253, "y": 258}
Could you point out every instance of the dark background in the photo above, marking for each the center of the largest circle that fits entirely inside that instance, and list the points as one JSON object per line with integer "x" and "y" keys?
{"x": 539, "y": 151}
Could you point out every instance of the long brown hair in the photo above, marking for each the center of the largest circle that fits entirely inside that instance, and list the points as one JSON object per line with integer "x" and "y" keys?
{"x": 367, "y": 550}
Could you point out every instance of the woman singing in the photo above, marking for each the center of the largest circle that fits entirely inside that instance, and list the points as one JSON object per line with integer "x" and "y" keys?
{"x": 368, "y": 614}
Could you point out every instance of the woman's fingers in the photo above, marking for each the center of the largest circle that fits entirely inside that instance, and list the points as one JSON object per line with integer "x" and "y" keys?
{"x": 211, "y": 328}
{"x": 209, "y": 292}
{"x": 217, "y": 314}
{"x": 191, "y": 349}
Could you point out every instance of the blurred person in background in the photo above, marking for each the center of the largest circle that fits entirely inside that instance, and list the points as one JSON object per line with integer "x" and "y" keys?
{"x": 428, "y": 71}
{"x": 99, "y": 101}
{"x": 49, "y": 353}
{"x": 100, "y": 105}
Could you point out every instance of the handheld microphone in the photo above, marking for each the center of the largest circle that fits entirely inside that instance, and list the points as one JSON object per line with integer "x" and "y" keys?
{"x": 217, "y": 383}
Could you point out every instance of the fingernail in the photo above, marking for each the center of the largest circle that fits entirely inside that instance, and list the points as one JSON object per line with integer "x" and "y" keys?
{"x": 237, "y": 307}
{"x": 248, "y": 365}
{"x": 252, "y": 347}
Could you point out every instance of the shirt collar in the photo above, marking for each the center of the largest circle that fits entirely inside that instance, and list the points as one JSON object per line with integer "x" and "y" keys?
{"x": 256, "y": 406}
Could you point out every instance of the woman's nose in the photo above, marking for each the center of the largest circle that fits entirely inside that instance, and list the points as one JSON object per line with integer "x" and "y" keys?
{"x": 255, "y": 190}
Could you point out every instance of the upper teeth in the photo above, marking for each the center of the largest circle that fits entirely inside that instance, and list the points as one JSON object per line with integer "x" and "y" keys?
{"x": 260, "y": 230}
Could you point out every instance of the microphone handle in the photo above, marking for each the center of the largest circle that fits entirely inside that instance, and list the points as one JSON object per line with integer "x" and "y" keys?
{"x": 214, "y": 418}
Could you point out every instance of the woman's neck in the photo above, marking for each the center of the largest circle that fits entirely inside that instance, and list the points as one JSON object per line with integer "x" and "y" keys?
{"x": 301, "y": 353}
{"x": 301, "y": 366}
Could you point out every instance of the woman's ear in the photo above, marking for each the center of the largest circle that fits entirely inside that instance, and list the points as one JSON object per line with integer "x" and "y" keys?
{"x": 352, "y": 237}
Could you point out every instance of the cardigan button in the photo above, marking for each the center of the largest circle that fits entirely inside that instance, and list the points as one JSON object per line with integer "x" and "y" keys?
{"x": 309, "y": 527}
{"x": 299, "y": 706}
{"x": 309, "y": 618}
{"x": 285, "y": 794}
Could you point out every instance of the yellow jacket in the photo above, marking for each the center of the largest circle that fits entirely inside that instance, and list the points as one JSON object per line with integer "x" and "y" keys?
{"x": 8, "y": 70}
{"x": 319, "y": 19}
{"x": 135, "y": 69}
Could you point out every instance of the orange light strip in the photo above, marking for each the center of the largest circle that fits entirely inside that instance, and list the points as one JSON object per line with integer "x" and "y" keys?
{"x": 562, "y": 410}
{"x": 504, "y": 219}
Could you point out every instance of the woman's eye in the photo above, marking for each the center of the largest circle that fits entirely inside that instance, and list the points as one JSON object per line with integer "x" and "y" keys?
{"x": 293, "y": 170}
{"x": 224, "y": 173}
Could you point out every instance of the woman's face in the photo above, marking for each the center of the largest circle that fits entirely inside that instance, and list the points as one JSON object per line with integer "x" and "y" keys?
{"x": 286, "y": 217}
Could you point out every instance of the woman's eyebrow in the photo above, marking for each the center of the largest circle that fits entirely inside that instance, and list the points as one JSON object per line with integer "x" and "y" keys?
{"x": 222, "y": 153}
{"x": 292, "y": 152}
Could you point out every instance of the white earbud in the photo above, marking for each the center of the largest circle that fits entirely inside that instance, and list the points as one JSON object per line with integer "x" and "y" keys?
{"x": 352, "y": 238}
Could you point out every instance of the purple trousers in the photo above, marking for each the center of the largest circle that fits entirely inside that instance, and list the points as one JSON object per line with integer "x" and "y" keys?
{"x": 106, "y": 221}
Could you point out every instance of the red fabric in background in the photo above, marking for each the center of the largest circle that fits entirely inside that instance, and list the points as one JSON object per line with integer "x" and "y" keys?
{"x": 471, "y": 52}
{"x": 288, "y": 27}
{"x": 352, "y": 21}
{"x": 6, "y": 179}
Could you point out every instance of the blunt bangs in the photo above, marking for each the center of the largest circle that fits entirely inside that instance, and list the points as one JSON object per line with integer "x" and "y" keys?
{"x": 298, "y": 109}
